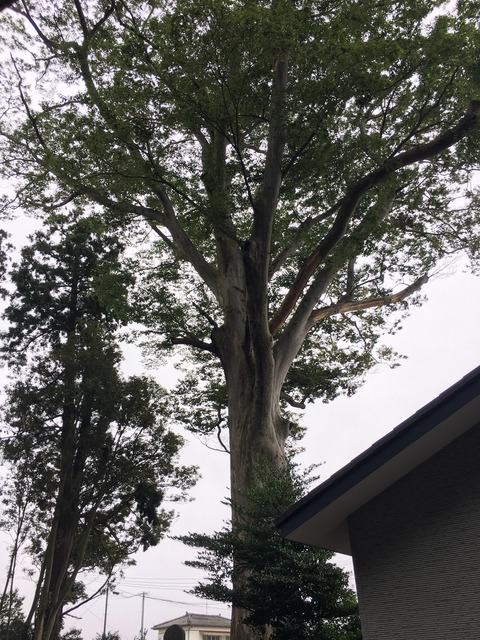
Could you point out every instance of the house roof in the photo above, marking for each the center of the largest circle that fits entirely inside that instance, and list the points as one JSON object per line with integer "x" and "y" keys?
{"x": 202, "y": 620}
{"x": 320, "y": 518}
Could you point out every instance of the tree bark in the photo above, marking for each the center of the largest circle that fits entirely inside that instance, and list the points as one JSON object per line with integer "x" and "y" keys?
{"x": 256, "y": 427}
{"x": 257, "y": 438}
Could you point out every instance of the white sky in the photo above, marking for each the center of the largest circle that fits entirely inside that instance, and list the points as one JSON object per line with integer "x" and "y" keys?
{"x": 442, "y": 341}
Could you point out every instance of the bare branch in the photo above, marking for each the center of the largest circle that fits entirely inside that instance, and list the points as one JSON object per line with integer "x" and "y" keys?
{"x": 297, "y": 404}
{"x": 368, "y": 303}
{"x": 95, "y": 594}
{"x": 195, "y": 343}
{"x": 219, "y": 431}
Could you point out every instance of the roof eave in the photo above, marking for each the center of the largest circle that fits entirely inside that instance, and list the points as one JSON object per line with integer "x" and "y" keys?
{"x": 320, "y": 518}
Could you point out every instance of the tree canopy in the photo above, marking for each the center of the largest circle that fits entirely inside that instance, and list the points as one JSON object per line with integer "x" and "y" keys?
{"x": 305, "y": 168}
{"x": 299, "y": 133}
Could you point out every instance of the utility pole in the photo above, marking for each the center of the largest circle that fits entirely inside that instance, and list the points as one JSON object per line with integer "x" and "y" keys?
{"x": 105, "y": 615}
{"x": 104, "y": 635}
{"x": 142, "y": 632}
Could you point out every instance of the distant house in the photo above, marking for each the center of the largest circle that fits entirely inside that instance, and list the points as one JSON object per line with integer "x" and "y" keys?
{"x": 408, "y": 511}
{"x": 194, "y": 626}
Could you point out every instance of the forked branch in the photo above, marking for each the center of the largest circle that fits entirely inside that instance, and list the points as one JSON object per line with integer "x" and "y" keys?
{"x": 414, "y": 155}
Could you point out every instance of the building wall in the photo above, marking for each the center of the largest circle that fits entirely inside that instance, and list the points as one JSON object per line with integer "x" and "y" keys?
{"x": 416, "y": 550}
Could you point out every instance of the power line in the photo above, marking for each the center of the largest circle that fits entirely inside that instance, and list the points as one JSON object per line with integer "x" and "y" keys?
{"x": 161, "y": 584}
{"x": 198, "y": 603}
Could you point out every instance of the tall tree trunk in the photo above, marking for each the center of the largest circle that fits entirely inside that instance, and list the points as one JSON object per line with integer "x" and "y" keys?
{"x": 257, "y": 439}
{"x": 65, "y": 519}
{"x": 249, "y": 452}
{"x": 52, "y": 556}
{"x": 257, "y": 429}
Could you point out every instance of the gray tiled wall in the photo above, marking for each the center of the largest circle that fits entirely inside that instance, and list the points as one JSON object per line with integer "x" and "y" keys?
{"x": 416, "y": 550}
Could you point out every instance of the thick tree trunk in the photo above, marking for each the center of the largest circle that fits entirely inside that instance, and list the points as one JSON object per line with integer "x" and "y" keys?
{"x": 67, "y": 528}
{"x": 257, "y": 429}
{"x": 257, "y": 439}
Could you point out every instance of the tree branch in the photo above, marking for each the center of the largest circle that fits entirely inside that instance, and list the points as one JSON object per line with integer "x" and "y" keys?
{"x": 66, "y": 200}
{"x": 81, "y": 18}
{"x": 417, "y": 154}
{"x": 94, "y": 595}
{"x": 219, "y": 431}
{"x": 303, "y": 228}
{"x": 299, "y": 152}
{"x": 347, "y": 251}
{"x": 350, "y": 278}
{"x": 368, "y": 303}
{"x": 265, "y": 206}
{"x": 108, "y": 12}
{"x": 297, "y": 404}
{"x": 30, "y": 116}
{"x": 50, "y": 44}
{"x": 257, "y": 250}
{"x": 424, "y": 111}
{"x": 183, "y": 244}
{"x": 207, "y": 317}
{"x": 195, "y": 343}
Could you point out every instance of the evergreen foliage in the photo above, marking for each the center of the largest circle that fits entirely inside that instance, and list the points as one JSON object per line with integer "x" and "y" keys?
{"x": 294, "y": 590}
{"x": 12, "y": 619}
{"x": 104, "y": 463}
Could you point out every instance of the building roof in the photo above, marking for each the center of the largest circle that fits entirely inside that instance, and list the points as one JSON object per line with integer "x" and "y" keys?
{"x": 202, "y": 620}
{"x": 320, "y": 518}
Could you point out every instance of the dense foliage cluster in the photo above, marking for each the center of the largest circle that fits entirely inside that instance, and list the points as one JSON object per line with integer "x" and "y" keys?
{"x": 293, "y": 590}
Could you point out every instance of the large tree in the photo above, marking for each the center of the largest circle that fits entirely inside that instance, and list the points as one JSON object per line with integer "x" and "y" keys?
{"x": 90, "y": 458}
{"x": 304, "y": 165}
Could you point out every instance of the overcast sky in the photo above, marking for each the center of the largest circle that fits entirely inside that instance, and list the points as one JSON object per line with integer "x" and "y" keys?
{"x": 442, "y": 342}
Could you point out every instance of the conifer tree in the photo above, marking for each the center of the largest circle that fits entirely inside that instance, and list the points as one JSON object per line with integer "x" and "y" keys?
{"x": 292, "y": 591}
{"x": 101, "y": 461}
